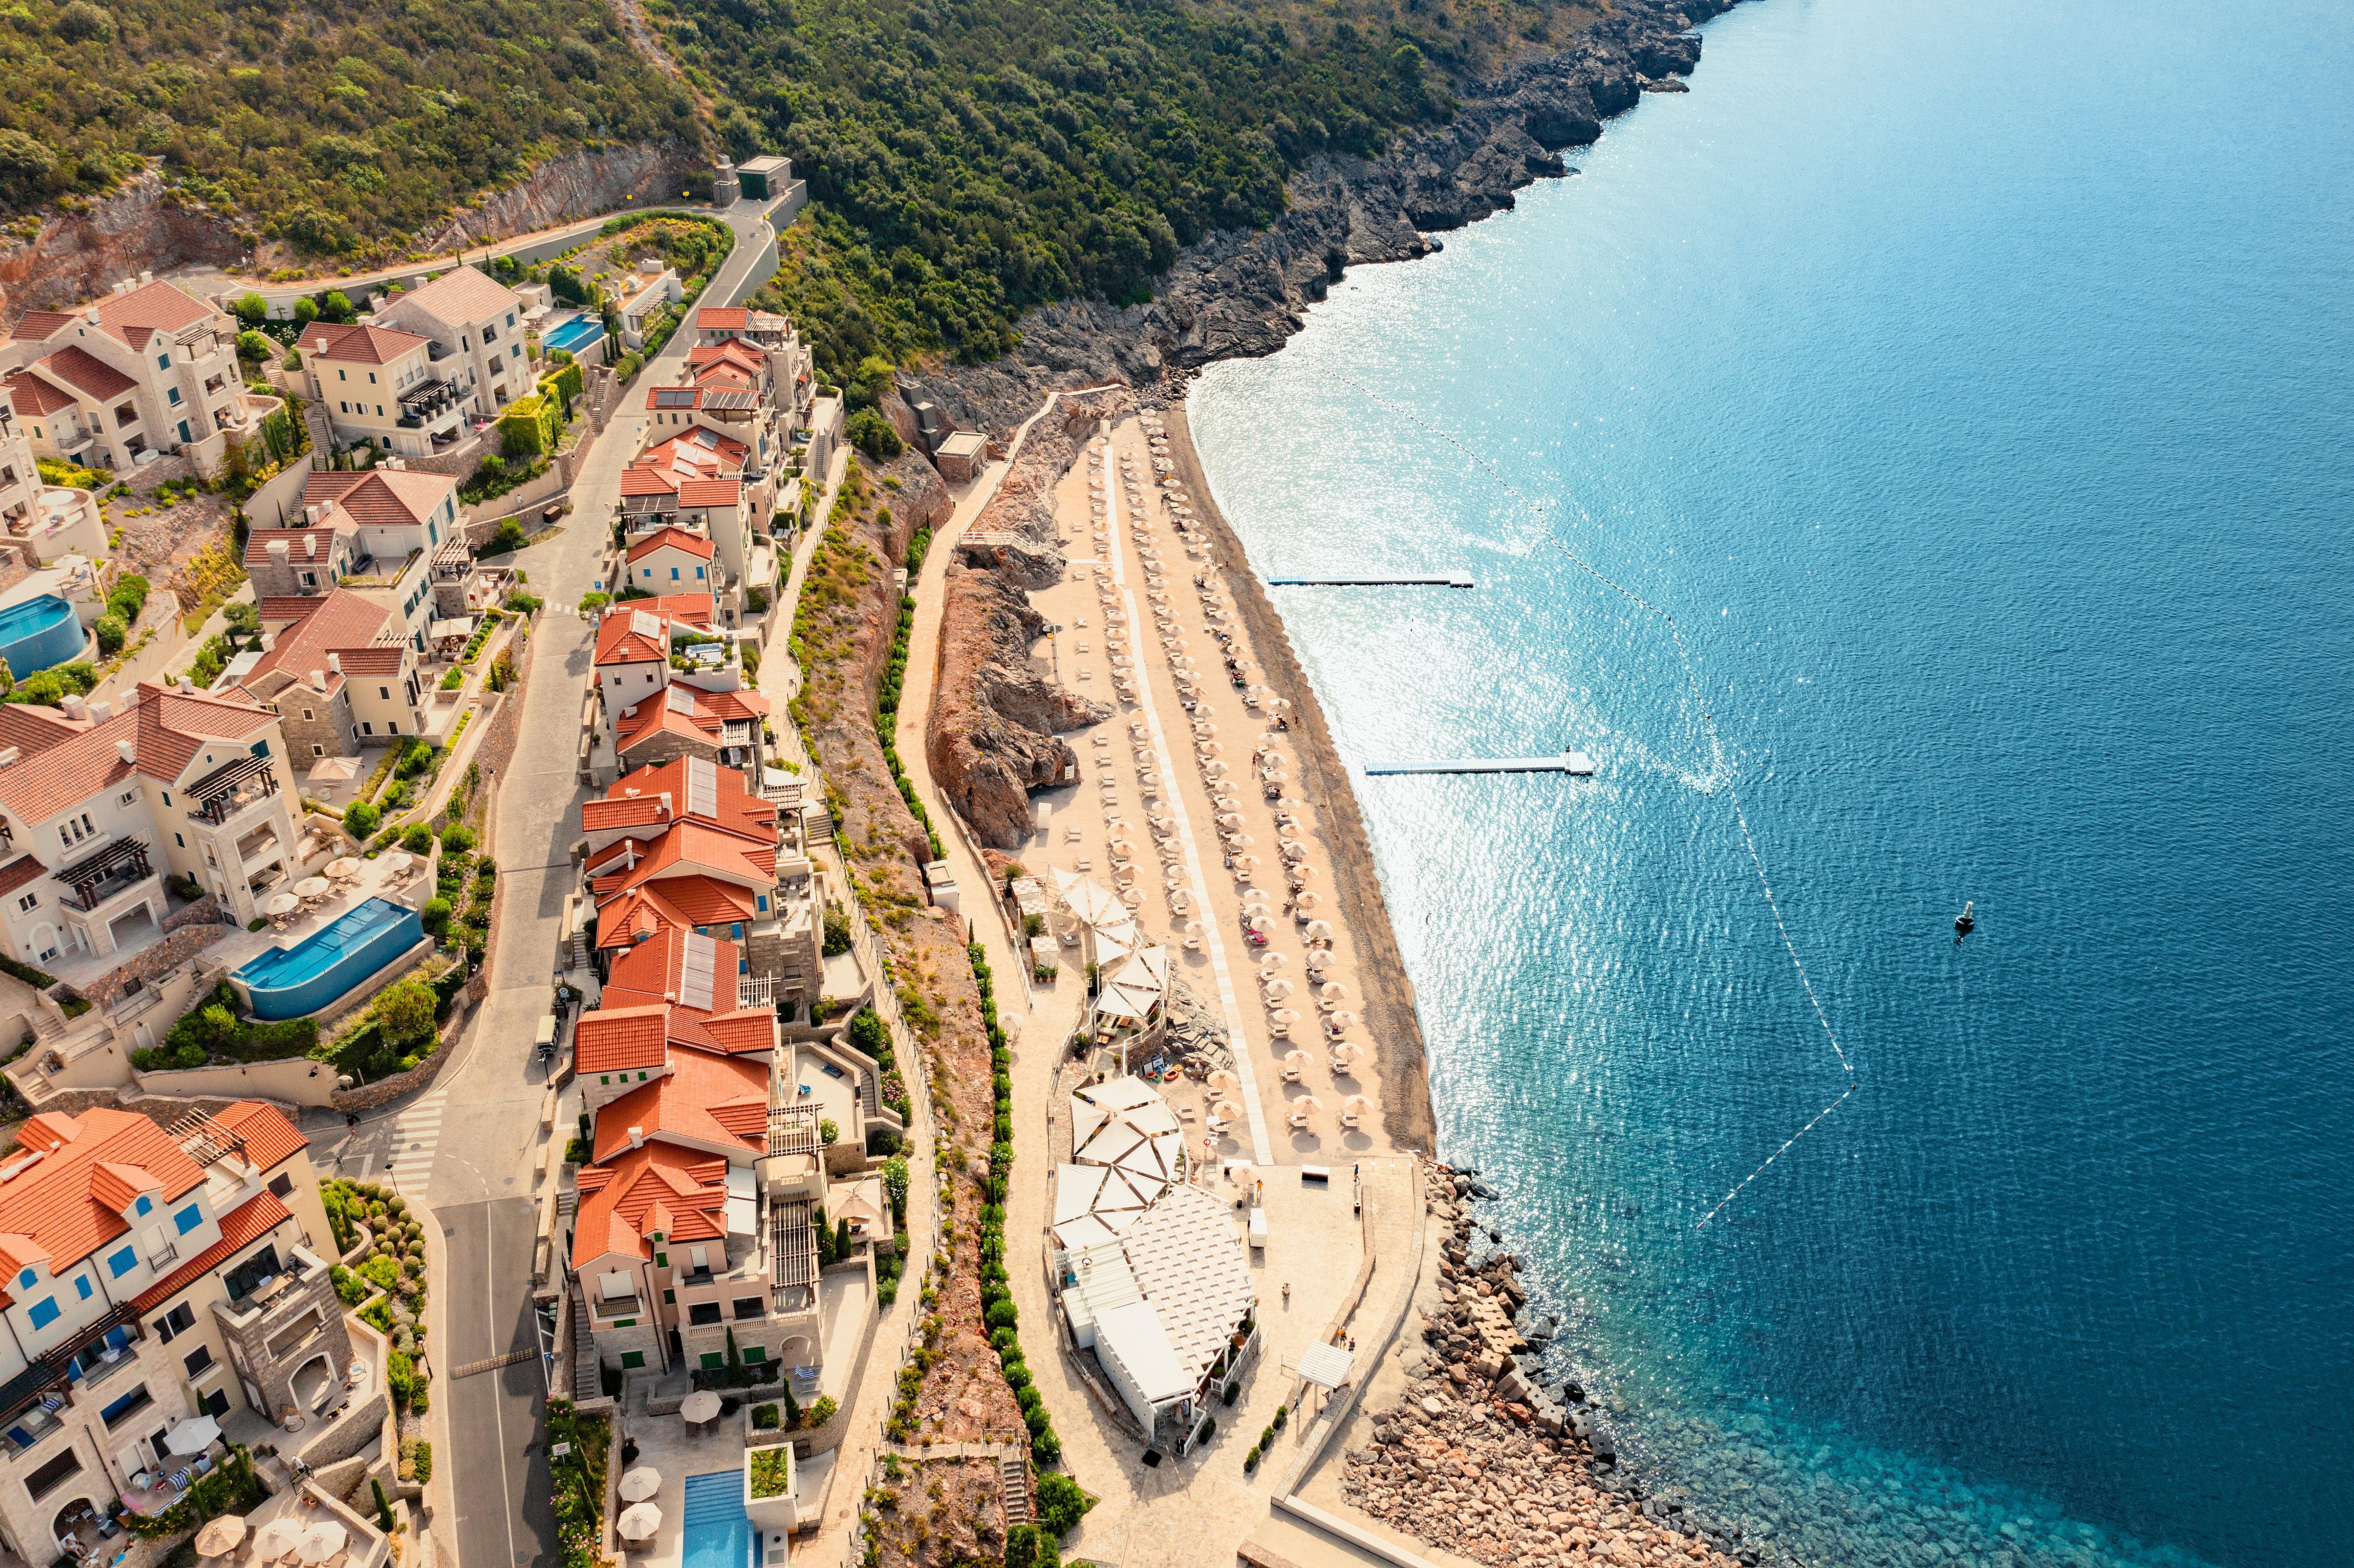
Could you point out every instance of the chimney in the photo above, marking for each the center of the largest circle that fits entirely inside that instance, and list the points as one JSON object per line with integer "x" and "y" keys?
{"x": 188, "y": 683}
{"x": 311, "y": 510}
{"x": 9, "y": 757}
{"x": 130, "y": 753}
{"x": 146, "y": 276}
{"x": 336, "y": 662}
{"x": 310, "y": 546}
{"x": 667, "y": 807}
{"x": 101, "y": 712}
{"x": 637, "y": 1138}
{"x": 72, "y": 706}
{"x": 90, "y": 315}
{"x": 279, "y": 552}
{"x": 318, "y": 680}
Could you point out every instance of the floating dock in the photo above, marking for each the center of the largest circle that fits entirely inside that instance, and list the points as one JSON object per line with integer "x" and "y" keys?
{"x": 1575, "y": 763}
{"x": 1442, "y": 580}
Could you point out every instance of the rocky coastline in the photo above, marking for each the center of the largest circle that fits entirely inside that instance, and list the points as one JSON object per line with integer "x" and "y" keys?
{"x": 1480, "y": 1458}
{"x": 1239, "y": 295}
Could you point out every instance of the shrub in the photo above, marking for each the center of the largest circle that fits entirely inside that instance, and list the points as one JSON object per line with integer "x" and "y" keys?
{"x": 360, "y": 819}
{"x": 764, "y": 1418}
{"x": 350, "y": 1287}
{"x": 1001, "y": 1315}
{"x": 436, "y": 915}
{"x": 250, "y": 308}
{"x": 417, "y": 840}
{"x": 837, "y": 934}
{"x": 822, "y": 1411}
{"x": 424, "y": 1450}
{"x": 111, "y": 633}
{"x": 403, "y": 1010}
{"x": 383, "y": 1508}
{"x": 828, "y": 1130}
{"x": 1061, "y": 1502}
{"x": 458, "y": 838}
{"x": 873, "y": 434}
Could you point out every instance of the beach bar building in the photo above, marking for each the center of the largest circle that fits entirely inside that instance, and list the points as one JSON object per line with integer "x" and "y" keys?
{"x": 1152, "y": 1279}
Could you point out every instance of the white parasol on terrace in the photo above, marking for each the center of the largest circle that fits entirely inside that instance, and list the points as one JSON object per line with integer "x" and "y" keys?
{"x": 343, "y": 869}
{"x": 639, "y": 1522}
{"x": 278, "y": 1537}
{"x": 322, "y": 1540}
{"x": 193, "y": 1435}
{"x": 640, "y": 1484}
{"x": 219, "y": 1537}
{"x": 698, "y": 1407}
{"x": 281, "y": 905}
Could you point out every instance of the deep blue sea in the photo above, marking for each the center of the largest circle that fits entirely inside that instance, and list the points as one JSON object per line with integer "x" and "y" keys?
{"x": 1969, "y": 379}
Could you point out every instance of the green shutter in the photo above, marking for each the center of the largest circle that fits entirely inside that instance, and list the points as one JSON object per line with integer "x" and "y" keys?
{"x": 632, "y": 1360}
{"x": 755, "y": 1354}
{"x": 662, "y": 1260}
{"x": 713, "y": 1361}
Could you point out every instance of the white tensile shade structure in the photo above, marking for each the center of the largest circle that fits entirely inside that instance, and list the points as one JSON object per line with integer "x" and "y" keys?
{"x": 1095, "y": 1203}
{"x": 1135, "y": 991}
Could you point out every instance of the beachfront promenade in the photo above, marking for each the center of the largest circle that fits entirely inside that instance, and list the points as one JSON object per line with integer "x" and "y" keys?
{"x": 1202, "y": 1508}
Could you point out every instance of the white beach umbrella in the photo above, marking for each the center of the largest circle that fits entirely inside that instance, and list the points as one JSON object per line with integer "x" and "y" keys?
{"x": 1277, "y": 989}
{"x": 1342, "y": 1019}
{"x": 1303, "y": 1108}
{"x": 1347, "y": 1052}
{"x": 1319, "y": 960}
{"x": 1260, "y": 924}
{"x": 1284, "y": 1018}
{"x": 1224, "y": 1081}
{"x": 1226, "y": 1110}
{"x": 1302, "y": 903}
{"x": 1318, "y": 931}
{"x": 1216, "y": 767}
{"x": 639, "y": 1522}
{"x": 1195, "y": 930}
{"x": 1333, "y": 990}
{"x": 1269, "y": 962}
{"x": 1245, "y": 866}
{"x": 640, "y": 1484}
{"x": 1297, "y": 1061}
{"x": 1240, "y": 841}
{"x": 1231, "y": 820}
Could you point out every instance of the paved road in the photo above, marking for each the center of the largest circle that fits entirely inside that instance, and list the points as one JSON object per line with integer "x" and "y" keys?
{"x": 470, "y": 1146}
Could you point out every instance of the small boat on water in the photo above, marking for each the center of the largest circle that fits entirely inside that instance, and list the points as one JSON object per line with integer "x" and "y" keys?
{"x": 1965, "y": 923}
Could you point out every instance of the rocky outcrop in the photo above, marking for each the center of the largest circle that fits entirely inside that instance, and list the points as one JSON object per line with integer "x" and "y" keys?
{"x": 992, "y": 735}
{"x": 1238, "y": 295}
{"x": 576, "y": 186}
{"x": 78, "y": 256}
{"x": 1477, "y": 1458}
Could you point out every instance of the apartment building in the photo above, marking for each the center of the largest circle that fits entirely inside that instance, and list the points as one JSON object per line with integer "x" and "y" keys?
{"x": 636, "y": 643}
{"x": 97, "y": 805}
{"x": 696, "y": 1215}
{"x": 382, "y": 385}
{"x": 341, "y": 673}
{"x": 146, "y": 368}
{"x": 155, "y": 1274}
{"x": 688, "y": 847}
{"x": 675, "y": 560}
{"x": 475, "y": 337}
{"x": 374, "y": 535}
{"x": 642, "y": 297}
{"x": 20, "y": 478}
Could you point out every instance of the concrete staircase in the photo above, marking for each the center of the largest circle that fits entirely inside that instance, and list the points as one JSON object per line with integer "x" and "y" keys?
{"x": 1015, "y": 1476}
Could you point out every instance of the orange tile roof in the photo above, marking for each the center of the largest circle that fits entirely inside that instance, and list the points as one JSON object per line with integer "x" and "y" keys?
{"x": 677, "y": 538}
{"x": 241, "y": 1228}
{"x": 342, "y": 620}
{"x": 704, "y": 1096}
{"x": 743, "y": 1029}
{"x": 644, "y": 479}
{"x": 19, "y": 872}
{"x": 661, "y": 1188}
{"x": 165, "y": 729}
{"x": 740, "y": 809}
{"x": 693, "y": 849}
{"x": 711, "y": 492}
{"x": 382, "y": 497}
{"x": 357, "y": 343}
{"x": 32, "y": 729}
{"x": 600, "y": 816}
{"x": 307, "y": 546}
{"x": 131, "y": 317}
{"x": 462, "y": 295}
{"x": 55, "y": 1208}
{"x": 613, "y": 1038}
{"x": 34, "y": 395}
{"x": 38, "y": 326}
{"x": 687, "y": 712}
{"x": 672, "y": 901}
{"x": 720, "y": 318}
{"x": 702, "y": 452}
{"x": 269, "y": 1138}
{"x": 85, "y": 372}
{"x": 630, "y": 634}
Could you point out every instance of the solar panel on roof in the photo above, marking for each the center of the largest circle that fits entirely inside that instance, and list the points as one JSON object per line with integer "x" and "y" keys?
{"x": 702, "y": 787}
{"x": 673, "y": 397}
{"x": 645, "y": 625}
{"x": 696, "y": 969}
{"x": 681, "y": 700}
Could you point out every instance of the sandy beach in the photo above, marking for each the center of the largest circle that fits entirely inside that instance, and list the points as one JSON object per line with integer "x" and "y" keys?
{"x": 1157, "y": 612}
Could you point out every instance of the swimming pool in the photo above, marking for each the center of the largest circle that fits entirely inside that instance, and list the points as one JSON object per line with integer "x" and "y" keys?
{"x": 38, "y": 632}
{"x": 288, "y": 982}
{"x": 715, "y": 1532}
{"x": 574, "y": 332}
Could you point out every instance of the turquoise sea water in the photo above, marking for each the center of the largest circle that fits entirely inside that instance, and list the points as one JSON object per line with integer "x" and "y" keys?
{"x": 1971, "y": 383}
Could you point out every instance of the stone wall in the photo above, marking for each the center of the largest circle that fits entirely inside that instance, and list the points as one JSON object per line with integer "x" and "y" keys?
{"x": 329, "y": 726}
{"x": 291, "y": 1080}
{"x": 187, "y": 932}
{"x": 249, "y": 1343}
{"x": 576, "y": 186}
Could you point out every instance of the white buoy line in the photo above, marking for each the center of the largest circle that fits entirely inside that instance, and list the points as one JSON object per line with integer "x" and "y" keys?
{"x": 1721, "y": 768}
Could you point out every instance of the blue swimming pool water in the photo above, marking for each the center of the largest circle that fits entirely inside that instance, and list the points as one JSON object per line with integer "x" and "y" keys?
{"x": 574, "y": 332}
{"x": 287, "y": 982}
{"x": 716, "y": 1533}
{"x": 38, "y": 632}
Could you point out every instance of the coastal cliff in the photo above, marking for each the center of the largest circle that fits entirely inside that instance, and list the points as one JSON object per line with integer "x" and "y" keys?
{"x": 1239, "y": 295}
{"x": 994, "y": 733}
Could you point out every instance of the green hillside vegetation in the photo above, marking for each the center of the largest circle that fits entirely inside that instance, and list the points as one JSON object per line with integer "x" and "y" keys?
{"x": 974, "y": 160}
{"x": 342, "y": 128}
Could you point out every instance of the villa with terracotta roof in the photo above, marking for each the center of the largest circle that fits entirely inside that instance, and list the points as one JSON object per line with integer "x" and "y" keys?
{"x": 711, "y": 483}
{"x": 382, "y": 385}
{"x": 648, "y": 649}
{"x": 474, "y": 353}
{"x": 145, "y": 367}
{"x": 97, "y": 806}
{"x": 154, "y": 1274}
{"x": 341, "y": 674}
{"x": 711, "y": 1154}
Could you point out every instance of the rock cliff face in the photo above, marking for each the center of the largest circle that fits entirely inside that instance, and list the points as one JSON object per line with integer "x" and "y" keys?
{"x": 80, "y": 256}
{"x": 576, "y": 186}
{"x": 995, "y": 719}
{"x": 1239, "y": 295}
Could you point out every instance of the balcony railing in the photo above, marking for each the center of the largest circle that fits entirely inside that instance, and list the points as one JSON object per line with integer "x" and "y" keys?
{"x": 427, "y": 400}
{"x": 53, "y": 1371}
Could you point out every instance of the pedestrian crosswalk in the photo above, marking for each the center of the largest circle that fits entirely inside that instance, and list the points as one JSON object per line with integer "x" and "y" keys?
{"x": 416, "y": 1134}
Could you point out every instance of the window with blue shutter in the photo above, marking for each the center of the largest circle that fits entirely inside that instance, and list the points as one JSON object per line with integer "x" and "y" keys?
{"x": 123, "y": 1262}
{"x": 44, "y": 1312}
{"x": 81, "y": 1284}
{"x": 189, "y": 1219}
